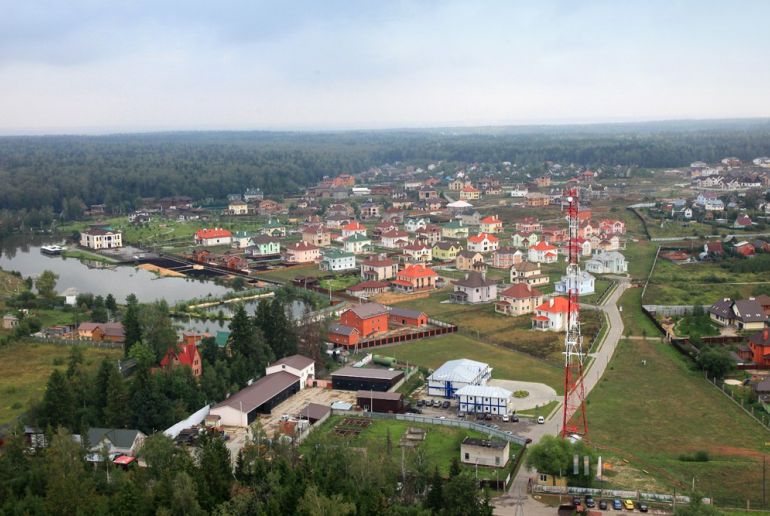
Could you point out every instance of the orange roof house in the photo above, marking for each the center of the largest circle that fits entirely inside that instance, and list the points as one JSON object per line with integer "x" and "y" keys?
{"x": 551, "y": 315}
{"x": 215, "y": 236}
{"x": 482, "y": 243}
{"x": 491, "y": 224}
{"x": 414, "y": 278}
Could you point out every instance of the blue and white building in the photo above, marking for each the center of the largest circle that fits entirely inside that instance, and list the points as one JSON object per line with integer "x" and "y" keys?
{"x": 453, "y": 375}
{"x": 586, "y": 284}
{"x": 485, "y": 399}
{"x": 336, "y": 260}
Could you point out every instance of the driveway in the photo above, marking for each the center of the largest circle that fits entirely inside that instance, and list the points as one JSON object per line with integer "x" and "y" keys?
{"x": 539, "y": 393}
{"x": 507, "y": 503}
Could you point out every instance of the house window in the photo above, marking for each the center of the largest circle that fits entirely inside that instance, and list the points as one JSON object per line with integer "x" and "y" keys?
{"x": 543, "y": 477}
{"x": 467, "y": 456}
{"x": 497, "y": 461}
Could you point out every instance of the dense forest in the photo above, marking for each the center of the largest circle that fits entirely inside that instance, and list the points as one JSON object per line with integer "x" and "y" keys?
{"x": 46, "y": 173}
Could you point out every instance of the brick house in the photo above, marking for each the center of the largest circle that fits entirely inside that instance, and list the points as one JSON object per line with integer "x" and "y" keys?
{"x": 518, "y": 299}
{"x": 301, "y": 252}
{"x": 759, "y": 344}
{"x": 543, "y": 252}
{"x": 415, "y": 278}
{"x": 529, "y": 273}
{"x": 367, "y": 319}
{"x": 469, "y": 261}
{"x": 491, "y": 224}
{"x": 378, "y": 268}
{"x": 187, "y": 354}
{"x": 506, "y": 257}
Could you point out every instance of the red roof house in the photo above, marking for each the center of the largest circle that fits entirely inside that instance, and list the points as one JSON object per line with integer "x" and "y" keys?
{"x": 186, "y": 355}
{"x": 415, "y": 278}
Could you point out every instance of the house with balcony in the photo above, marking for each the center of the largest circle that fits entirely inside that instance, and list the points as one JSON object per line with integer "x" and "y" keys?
{"x": 336, "y": 260}
{"x": 378, "y": 268}
{"x": 529, "y": 273}
{"x": 454, "y": 229}
{"x": 518, "y": 299}
{"x": 357, "y": 244}
{"x": 742, "y": 314}
{"x": 415, "y": 278}
{"x": 491, "y": 224}
{"x": 482, "y": 243}
{"x": 474, "y": 288}
{"x": 542, "y": 252}
{"x": 608, "y": 262}
{"x": 552, "y": 315}
{"x": 418, "y": 252}
{"x": 584, "y": 285}
{"x": 524, "y": 239}
{"x": 394, "y": 239}
{"x": 301, "y": 252}
{"x": 470, "y": 261}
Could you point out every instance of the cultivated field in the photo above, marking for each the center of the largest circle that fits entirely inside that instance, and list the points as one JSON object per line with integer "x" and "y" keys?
{"x": 658, "y": 412}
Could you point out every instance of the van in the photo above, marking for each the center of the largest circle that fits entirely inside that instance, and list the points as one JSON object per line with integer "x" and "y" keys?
{"x": 540, "y": 420}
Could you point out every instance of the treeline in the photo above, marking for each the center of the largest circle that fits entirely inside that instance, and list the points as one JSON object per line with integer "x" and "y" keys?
{"x": 269, "y": 478}
{"x": 46, "y": 177}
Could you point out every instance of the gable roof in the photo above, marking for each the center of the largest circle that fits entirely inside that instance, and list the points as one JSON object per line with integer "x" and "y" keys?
{"x": 119, "y": 437}
{"x": 521, "y": 291}
{"x": 475, "y": 279}
{"x": 543, "y": 246}
{"x": 417, "y": 271}
{"x": 296, "y": 361}
{"x": 185, "y": 354}
{"x": 446, "y": 246}
{"x": 405, "y": 312}
{"x": 259, "y": 392}
{"x": 554, "y": 305}
{"x": 202, "y": 234}
{"x": 477, "y": 239}
{"x": 368, "y": 310}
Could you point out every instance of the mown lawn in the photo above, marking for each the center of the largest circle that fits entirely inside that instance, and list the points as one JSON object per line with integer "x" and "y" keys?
{"x": 287, "y": 274}
{"x": 25, "y": 368}
{"x": 652, "y": 414}
{"x": 441, "y": 444}
{"x": 507, "y": 364}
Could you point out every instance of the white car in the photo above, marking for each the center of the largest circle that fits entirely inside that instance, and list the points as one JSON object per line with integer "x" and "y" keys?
{"x": 540, "y": 420}
{"x": 506, "y": 418}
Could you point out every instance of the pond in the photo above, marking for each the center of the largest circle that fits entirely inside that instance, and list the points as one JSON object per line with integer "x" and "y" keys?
{"x": 23, "y": 254}
{"x": 296, "y": 310}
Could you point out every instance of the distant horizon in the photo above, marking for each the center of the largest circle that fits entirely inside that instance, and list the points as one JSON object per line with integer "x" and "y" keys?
{"x": 544, "y": 124}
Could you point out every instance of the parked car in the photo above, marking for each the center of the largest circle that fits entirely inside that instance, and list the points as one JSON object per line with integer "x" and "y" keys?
{"x": 436, "y": 403}
{"x": 488, "y": 416}
{"x": 479, "y": 416}
{"x": 603, "y": 505}
{"x": 514, "y": 418}
{"x": 506, "y": 418}
{"x": 642, "y": 507}
{"x": 420, "y": 403}
{"x": 590, "y": 503}
{"x": 446, "y": 404}
{"x": 576, "y": 501}
{"x": 461, "y": 415}
{"x": 628, "y": 505}
{"x": 540, "y": 420}
{"x": 617, "y": 505}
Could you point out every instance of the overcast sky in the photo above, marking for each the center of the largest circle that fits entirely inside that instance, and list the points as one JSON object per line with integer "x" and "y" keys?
{"x": 91, "y": 66}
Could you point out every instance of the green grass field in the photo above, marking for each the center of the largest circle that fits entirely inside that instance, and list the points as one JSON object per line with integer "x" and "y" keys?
{"x": 24, "y": 371}
{"x": 287, "y": 274}
{"x": 635, "y": 322}
{"x": 651, "y": 414}
{"x": 507, "y": 364}
{"x": 441, "y": 443}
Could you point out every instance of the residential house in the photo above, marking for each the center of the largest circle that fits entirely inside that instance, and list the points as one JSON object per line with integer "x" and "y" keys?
{"x": 301, "y": 252}
{"x": 357, "y": 244}
{"x": 418, "y": 252}
{"x": 528, "y": 225}
{"x": 274, "y": 228}
{"x": 491, "y": 224}
{"x": 456, "y": 185}
{"x": 605, "y": 244}
{"x": 469, "y": 217}
{"x": 519, "y": 191}
{"x": 714, "y": 248}
{"x": 430, "y": 234}
{"x": 612, "y": 227}
{"x": 552, "y": 315}
{"x": 743, "y": 314}
{"x": 336, "y": 260}
{"x": 585, "y": 284}
{"x": 370, "y": 210}
{"x": 482, "y": 243}
{"x": 253, "y": 194}
{"x": 337, "y": 220}
{"x": 474, "y": 288}
{"x": 446, "y": 251}
{"x": 470, "y": 261}
{"x": 353, "y": 228}
{"x": 98, "y": 332}
{"x": 524, "y": 239}
{"x": 484, "y": 399}
{"x": 744, "y": 249}
{"x": 743, "y": 222}
{"x": 581, "y": 247}
{"x": 115, "y": 441}
{"x": 469, "y": 193}
{"x": 237, "y": 208}
{"x": 406, "y": 317}
{"x": 101, "y": 238}
{"x": 518, "y": 299}
{"x": 367, "y": 319}
{"x": 506, "y": 257}
{"x": 542, "y": 252}
{"x": 479, "y": 452}
{"x": 529, "y": 273}
{"x": 186, "y": 354}
{"x": 759, "y": 345}
{"x": 10, "y": 321}
{"x": 415, "y": 278}
{"x": 454, "y": 229}
{"x": 537, "y": 199}
{"x": 269, "y": 207}
{"x": 710, "y": 201}
{"x": 413, "y": 224}
{"x": 394, "y": 239}
{"x": 383, "y": 227}
{"x": 607, "y": 262}
{"x": 378, "y": 268}
{"x": 317, "y": 235}
{"x": 262, "y": 246}
{"x": 241, "y": 239}
{"x": 427, "y": 192}
{"x": 368, "y": 288}
{"x": 543, "y": 181}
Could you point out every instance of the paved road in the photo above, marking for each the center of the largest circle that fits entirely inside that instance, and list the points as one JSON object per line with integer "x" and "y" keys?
{"x": 506, "y": 504}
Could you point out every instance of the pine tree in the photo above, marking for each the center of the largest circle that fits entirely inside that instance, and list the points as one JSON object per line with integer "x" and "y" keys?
{"x": 283, "y": 336}
{"x": 116, "y": 401}
{"x": 215, "y": 471}
{"x": 131, "y": 324}
{"x": 110, "y": 303}
{"x": 99, "y": 395}
{"x": 58, "y": 406}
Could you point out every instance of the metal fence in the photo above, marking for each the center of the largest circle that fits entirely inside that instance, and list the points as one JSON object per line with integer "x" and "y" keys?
{"x": 672, "y": 310}
{"x": 417, "y": 418}
{"x": 761, "y": 418}
{"x": 614, "y": 493}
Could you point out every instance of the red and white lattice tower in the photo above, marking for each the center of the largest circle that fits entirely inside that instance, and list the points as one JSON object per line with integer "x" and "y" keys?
{"x": 574, "y": 421}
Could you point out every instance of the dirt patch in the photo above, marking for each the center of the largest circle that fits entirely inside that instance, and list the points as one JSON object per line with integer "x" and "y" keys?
{"x": 160, "y": 270}
{"x": 389, "y": 298}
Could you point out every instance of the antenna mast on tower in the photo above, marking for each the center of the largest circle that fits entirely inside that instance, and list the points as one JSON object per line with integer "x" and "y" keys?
{"x": 574, "y": 421}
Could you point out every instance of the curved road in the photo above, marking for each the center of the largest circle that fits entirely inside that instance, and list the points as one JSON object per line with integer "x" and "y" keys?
{"x": 507, "y": 504}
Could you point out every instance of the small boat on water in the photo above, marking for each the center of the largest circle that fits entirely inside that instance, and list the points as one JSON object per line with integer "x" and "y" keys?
{"x": 52, "y": 249}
